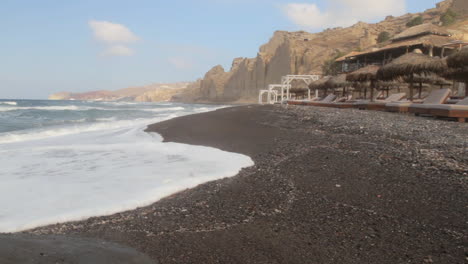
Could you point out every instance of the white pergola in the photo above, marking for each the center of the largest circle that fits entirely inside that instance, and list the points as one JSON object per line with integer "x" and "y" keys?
{"x": 288, "y": 79}
{"x": 272, "y": 94}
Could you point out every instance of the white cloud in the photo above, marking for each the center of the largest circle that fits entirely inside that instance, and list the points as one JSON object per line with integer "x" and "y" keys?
{"x": 181, "y": 63}
{"x": 118, "y": 50}
{"x": 115, "y": 37}
{"x": 341, "y": 13}
{"x": 109, "y": 32}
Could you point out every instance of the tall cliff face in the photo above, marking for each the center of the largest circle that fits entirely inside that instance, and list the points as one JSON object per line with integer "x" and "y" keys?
{"x": 300, "y": 53}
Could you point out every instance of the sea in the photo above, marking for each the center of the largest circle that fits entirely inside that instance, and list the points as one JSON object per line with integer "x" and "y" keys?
{"x": 70, "y": 160}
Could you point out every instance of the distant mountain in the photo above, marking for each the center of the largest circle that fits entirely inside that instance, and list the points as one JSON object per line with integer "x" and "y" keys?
{"x": 305, "y": 53}
{"x": 156, "y": 92}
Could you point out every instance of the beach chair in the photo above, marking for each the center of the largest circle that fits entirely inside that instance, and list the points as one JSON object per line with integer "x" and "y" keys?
{"x": 435, "y": 97}
{"x": 302, "y": 102}
{"x": 380, "y": 104}
{"x": 327, "y": 99}
{"x": 347, "y": 103}
{"x": 458, "y": 110}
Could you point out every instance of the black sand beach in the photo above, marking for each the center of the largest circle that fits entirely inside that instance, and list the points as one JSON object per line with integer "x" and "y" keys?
{"x": 329, "y": 186}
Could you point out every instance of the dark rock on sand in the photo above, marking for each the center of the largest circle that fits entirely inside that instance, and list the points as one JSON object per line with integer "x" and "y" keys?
{"x": 328, "y": 186}
{"x": 29, "y": 249}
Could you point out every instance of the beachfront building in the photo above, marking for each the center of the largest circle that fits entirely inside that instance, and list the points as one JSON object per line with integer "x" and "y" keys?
{"x": 427, "y": 39}
{"x": 432, "y": 40}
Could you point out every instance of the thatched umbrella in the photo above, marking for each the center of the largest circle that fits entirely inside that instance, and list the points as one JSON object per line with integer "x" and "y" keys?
{"x": 387, "y": 86}
{"x": 459, "y": 75}
{"x": 459, "y": 59}
{"x": 298, "y": 91}
{"x": 409, "y": 65}
{"x": 366, "y": 74}
{"x": 338, "y": 81}
{"x": 425, "y": 79}
{"x": 319, "y": 84}
{"x": 458, "y": 67}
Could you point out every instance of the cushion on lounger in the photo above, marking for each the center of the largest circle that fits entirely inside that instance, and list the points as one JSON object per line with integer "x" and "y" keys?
{"x": 437, "y": 96}
{"x": 450, "y": 107}
{"x": 463, "y": 102}
{"x": 329, "y": 98}
{"x": 398, "y": 104}
{"x": 395, "y": 97}
{"x": 423, "y": 106}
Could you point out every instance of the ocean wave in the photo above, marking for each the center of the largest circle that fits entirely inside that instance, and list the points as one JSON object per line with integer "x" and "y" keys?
{"x": 37, "y": 134}
{"x": 164, "y": 109}
{"x": 8, "y": 103}
{"x": 46, "y": 108}
{"x": 96, "y": 169}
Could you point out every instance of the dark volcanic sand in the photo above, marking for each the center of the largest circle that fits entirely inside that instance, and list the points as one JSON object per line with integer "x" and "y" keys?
{"x": 329, "y": 186}
{"x": 29, "y": 249}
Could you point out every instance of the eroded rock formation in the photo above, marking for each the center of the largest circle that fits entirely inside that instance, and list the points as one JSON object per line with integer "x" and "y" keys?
{"x": 304, "y": 53}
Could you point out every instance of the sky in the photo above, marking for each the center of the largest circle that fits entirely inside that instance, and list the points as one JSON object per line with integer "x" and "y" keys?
{"x": 50, "y": 46}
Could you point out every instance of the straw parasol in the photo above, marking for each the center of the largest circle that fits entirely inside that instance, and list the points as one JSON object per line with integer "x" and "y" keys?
{"x": 425, "y": 79}
{"x": 338, "y": 81}
{"x": 319, "y": 84}
{"x": 298, "y": 91}
{"x": 458, "y": 59}
{"x": 366, "y": 74}
{"x": 410, "y": 65}
{"x": 458, "y": 67}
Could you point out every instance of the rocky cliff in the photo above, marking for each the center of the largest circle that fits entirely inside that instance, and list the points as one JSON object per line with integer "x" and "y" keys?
{"x": 150, "y": 93}
{"x": 304, "y": 53}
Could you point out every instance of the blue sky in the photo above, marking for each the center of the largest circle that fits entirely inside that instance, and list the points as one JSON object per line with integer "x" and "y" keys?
{"x": 49, "y": 46}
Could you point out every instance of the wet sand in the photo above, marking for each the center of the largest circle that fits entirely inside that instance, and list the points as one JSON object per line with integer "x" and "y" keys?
{"x": 329, "y": 186}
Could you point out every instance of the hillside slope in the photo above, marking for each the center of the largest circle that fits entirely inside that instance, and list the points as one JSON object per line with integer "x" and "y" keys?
{"x": 304, "y": 53}
{"x": 156, "y": 92}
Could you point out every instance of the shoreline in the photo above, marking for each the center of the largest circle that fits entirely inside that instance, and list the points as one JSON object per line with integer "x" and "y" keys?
{"x": 339, "y": 186}
{"x": 140, "y": 126}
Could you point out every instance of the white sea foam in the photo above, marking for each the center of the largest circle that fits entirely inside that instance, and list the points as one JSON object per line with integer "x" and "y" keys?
{"x": 83, "y": 108}
{"x": 37, "y": 134}
{"x": 48, "y": 108}
{"x": 164, "y": 109}
{"x": 75, "y": 172}
{"x": 8, "y": 103}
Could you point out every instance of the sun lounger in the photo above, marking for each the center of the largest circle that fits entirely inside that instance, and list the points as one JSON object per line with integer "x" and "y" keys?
{"x": 334, "y": 102}
{"x": 435, "y": 97}
{"x": 330, "y": 98}
{"x": 344, "y": 102}
{"x": 458, "y": 110}
{"x": 325, "y": 101}
{"x": 380, "y": 104}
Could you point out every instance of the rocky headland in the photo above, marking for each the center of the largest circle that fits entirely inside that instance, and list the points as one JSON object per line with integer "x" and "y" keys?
{"x": 156, "y": 92}
{"x": 305, "y": 53}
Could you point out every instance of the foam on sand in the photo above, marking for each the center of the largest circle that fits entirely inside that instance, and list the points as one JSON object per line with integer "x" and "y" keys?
{"x": 98, "y": 164}
{"x": 77, "y": 176}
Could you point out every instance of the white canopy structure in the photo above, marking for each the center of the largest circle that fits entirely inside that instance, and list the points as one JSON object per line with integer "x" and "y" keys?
{"x": 272, "y": 94}
{"x": 274, "y": 90}
{"x": 288, "y": 79}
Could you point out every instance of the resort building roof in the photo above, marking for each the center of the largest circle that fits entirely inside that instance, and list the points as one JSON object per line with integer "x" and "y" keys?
{"x": 430, "y": 39}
